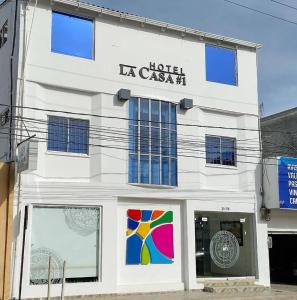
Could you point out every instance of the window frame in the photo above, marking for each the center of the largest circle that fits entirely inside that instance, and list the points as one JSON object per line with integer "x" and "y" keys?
{"x": 235, "y": 50}
{"x": 150, "y": 154}
{"x": 221, "y": 160}
{"x": 68, "y": 131}
{"x": 77, "y": 15}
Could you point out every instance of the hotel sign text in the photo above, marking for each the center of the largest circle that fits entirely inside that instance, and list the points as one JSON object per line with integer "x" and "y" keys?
{"x": 156, "y": 72}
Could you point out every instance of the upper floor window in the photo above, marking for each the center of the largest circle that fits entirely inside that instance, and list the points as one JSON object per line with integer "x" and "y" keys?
{"x": 221, "y": 64}
{"x": 220, "y": 150}
{"x": 68, "y": 135}
{"x": 152, "y": 142}
{"x": 3, "y": 34}
{"x": 72, "y": 35}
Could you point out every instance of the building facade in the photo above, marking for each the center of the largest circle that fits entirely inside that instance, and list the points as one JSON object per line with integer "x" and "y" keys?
{"x": 140, "y": 175}
{"x": 280, "y": 190}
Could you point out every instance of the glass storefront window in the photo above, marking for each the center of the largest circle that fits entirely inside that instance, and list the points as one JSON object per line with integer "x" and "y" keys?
{"x": 224, "y": 244}
{"x": 65, "y": 233}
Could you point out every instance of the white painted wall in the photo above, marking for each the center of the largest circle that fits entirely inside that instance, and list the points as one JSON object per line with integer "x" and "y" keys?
{"x": 158, "y": 277}
{"x": 59, "y": 82}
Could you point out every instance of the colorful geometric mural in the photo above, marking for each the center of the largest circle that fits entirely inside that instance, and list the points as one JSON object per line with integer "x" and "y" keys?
{"x": 149, "y": 237}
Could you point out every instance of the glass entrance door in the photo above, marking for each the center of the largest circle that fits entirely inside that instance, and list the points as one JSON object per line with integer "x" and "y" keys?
{"x": 224, "y": 244}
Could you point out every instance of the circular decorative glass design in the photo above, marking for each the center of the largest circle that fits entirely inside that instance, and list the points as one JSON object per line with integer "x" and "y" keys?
{"x": 39, "y": 266}
{"x": 83, "y": 221}
{"x": 224, "y": 249}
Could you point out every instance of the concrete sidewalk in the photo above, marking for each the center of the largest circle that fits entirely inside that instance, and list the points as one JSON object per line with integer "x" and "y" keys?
{"x": 277, "y": 292}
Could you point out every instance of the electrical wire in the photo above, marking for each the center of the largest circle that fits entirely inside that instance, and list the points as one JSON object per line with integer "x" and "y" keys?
{"x": 113, "y": 135}
{"x": 284, "y": 4}
{"x": 260, "y": 12}
{"x": 131, "y": 119}
{"x": 119, "y": 132}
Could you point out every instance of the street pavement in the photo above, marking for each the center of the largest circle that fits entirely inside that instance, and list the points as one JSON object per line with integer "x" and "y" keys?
{"x": 278, "y": 291}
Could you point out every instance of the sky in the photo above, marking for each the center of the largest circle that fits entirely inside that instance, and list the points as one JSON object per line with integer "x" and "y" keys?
{"x": 277, "y": 59}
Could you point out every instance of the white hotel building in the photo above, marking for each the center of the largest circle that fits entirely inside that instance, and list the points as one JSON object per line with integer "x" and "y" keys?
{"x": 144, "y": 173}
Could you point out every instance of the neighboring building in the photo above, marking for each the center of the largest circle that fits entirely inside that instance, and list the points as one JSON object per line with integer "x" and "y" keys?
{"x": 280, "y": 192}
{"x": 140, "y": 174}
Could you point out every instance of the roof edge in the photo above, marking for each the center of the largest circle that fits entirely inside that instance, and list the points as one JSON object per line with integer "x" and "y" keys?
{"x": 163, "y": 25}
{"x": 283, "y": 113}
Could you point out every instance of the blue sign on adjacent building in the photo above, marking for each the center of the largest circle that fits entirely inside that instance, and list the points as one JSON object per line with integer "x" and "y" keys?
{"x": 287, "y": 182}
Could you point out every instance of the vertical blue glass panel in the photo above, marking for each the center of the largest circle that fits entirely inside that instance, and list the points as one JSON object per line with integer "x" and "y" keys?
{"x": 155, "y": 170}
{"x": 155, "y": 113}
{"x": 213, "y": 152}
{"x": 165, "y": 142}
{"x": 133, "y": 111}
{"x": 173, "y": 171}
{"x": 155, "y": 140}
{"x": 144, "y": 169}
{"x": 57, "y": 133}
{"x": 165, "y": 170}
{"x": 173, "y": 116}
{"x": 165, "y": 114}
{"x": 78, "y": 136}
{"x": 133, "y": 168}
{"x": 144, "y": 140}
{"x": 72, "y": 35}
{"x": 220, "y": 65}
{"x": 173, "y": 144}
{"x": 228, "y": 151}
{"x": 133, "y": 139}
{"x": 144, "y": 112}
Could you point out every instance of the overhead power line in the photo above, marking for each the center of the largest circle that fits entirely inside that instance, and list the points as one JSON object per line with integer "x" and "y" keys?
{"x": 124, "y": 141}
{"x": 182, "y": 154}
{"x": 284, "y": 4}
{"x": 116, "y": 132}
{"x": 261, "y": 12}
{"x": 197, "y": 145}
{"x": 129, "y": 119}
{"x": 119, "y": 130}
{"x": 149, "y": 121}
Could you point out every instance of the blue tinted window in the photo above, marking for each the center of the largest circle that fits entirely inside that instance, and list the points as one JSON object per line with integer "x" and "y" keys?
{"x": 221, "y": 65}
{"x": 220, "y": 150}
{"x": 57, "y": 134}
{"x": 133, "y": 111}
{"x": 144, "y": 112}
{"x": 133, "y": 168}
{"x": 144, "y": 139}
{"x": 173, "y": 171}
{"x": 165, "y": 114}
{"x": 213, "y": 152}
{"x": 72, "y": 35}
{"x": 155, "y": 140}
{"x": 165, "y": 142}
{"x": 144, "y": 169}
{"x": 228, "y": 151}
{"x": 78, "y": 136}
{"x": 68, "y": 135}
{"x": 165, "y": 171}
{"x": 155, "y": 170}
{"x": 155, "y": 113}
{"x": 152, "y": 148}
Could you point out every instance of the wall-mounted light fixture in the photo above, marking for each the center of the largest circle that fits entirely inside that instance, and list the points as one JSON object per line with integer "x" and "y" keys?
{"x": 186, "y": 103}
{"x": 124, "y": 94}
